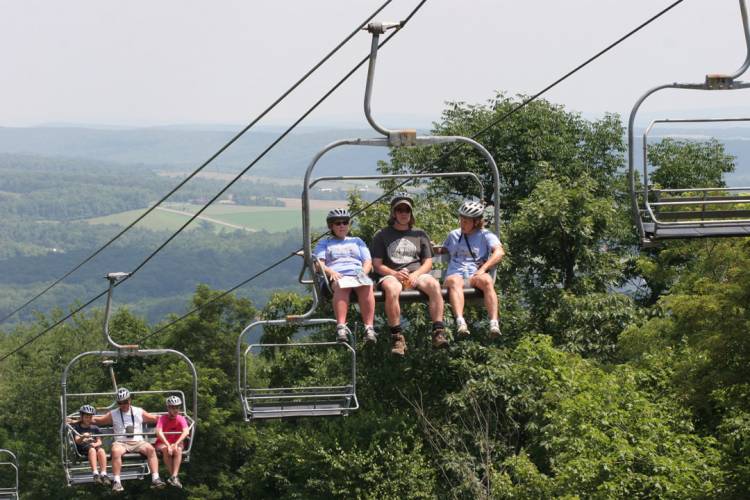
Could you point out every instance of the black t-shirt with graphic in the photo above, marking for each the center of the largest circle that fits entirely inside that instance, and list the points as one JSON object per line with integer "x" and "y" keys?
{"x": 401, "y": 249}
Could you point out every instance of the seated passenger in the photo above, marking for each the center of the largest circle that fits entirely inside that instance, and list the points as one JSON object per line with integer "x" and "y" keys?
{"x": 89, "y": 444}
{"x": 402, "y": 256}
{"x": 127, "y": 425}
{"x": 346, "y": 262}
{"x": 473, "y": 251}
{"x": 171, "y": 431}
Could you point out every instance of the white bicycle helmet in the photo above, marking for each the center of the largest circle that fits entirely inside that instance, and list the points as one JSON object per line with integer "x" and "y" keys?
{"x": 338, "y": 213}
{"x": 122, "y": 394}
{"x": 87, "y": 409}
{"x": 471, "y": 209}
{"x": 174, "y": 401}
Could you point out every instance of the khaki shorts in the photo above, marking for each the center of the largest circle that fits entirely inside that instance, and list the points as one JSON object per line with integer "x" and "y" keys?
{"x": 133, "y": 446}
{"x": 419, "y": 279}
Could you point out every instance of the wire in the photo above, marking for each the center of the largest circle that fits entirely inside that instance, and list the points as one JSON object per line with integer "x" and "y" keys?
{"x": 403, "y": 183}
{"x": 203, "y": 165}
{"x": 274, "y": 143}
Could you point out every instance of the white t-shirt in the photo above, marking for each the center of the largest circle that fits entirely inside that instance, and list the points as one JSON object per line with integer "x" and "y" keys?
{"x": 122, "y": 419}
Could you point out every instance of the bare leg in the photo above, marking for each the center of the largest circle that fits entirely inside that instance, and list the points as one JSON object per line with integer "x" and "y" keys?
{"x": 117, "y": 452}
{"x": 153, "y": 461}
{"x": 391, "y": 290}
{"x": 366, "y": 304}
{"x": 455, "y": 285}
{"x": 484, "y": 283}
{"x": 167, "y": 458}
{"x": 431, "y": 287}
{"x": 102, "y": 455}
{"x": 340, "y": 303}
{"x": 176, "y": 461}
{"x": 92, "y": 459}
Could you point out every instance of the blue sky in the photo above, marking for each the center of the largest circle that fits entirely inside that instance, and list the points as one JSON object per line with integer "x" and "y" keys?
{"x": 186, "y": 61}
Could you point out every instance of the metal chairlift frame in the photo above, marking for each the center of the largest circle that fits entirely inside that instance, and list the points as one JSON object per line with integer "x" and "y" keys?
{"x": 393, "y": 138}
{"x": 9, "y": 461}
{"x": 77, "y": 470}
{"x": 338, "y": 400}
{"x": 653, "y": 229}
{"x": 282, "y": 402}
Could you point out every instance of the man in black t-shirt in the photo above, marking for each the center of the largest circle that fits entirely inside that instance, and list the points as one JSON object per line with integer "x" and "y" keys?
{"x": 402, "y": 256}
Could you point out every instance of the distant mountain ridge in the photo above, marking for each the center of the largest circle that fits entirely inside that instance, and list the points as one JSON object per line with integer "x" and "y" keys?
{"x": 186, "y": 148}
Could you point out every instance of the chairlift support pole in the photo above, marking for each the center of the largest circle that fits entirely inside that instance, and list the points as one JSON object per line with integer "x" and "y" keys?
{"x": 712, "y": 82}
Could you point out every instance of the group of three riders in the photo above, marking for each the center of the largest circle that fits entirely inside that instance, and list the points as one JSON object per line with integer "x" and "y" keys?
{"x": 401, "y": 255}
{"x": 127, "y": 427}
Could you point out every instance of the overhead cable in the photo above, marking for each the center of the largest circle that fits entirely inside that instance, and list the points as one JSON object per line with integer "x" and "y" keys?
{"x": 202, "y": 166}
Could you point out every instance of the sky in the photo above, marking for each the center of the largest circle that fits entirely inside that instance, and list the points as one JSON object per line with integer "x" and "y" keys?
{"x": 146, "y": 62}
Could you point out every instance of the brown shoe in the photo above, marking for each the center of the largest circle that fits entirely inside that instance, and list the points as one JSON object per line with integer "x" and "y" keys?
{"x": 399, "y": 344}
{"x": 438, "y": 338}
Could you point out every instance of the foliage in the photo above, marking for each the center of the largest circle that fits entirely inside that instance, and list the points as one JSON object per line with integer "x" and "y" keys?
{"x": 681, "y": 164}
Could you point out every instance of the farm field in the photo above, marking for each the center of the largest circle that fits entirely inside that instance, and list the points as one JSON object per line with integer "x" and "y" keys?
{"x": 222, "y": 217}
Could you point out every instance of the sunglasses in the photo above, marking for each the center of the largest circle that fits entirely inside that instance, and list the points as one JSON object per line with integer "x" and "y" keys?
{"x": 123, "y": 402}
{"x": 340, "y": 223}
{"x": 402, "y": 209}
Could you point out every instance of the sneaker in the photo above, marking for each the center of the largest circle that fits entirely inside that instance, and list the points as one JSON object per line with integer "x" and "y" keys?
{"x": 104, "y": 479}
{"x": 176, "y": 482}
{"x": 370, "y": 335}
{"x": 399, "y": 344}
{"x": 158, "y": 483}
{"x": 342, "y": 333}
{"x": 97, "y": 479}
{"x": 117, "y": 487}
{"x": 462, "y": 329}
{"x": 494, "y": 330}
{"x": 438, "y": 338}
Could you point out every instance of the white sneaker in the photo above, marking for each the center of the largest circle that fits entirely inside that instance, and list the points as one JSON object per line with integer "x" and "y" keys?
{"x": 494, "y": 329}
{"x": 462, "y": 329}
{"x": 370, "y": 335}
{"x": 342, "y": 333}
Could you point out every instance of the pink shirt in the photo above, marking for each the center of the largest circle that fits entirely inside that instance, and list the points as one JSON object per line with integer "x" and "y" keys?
{"x": 167, "y": 424}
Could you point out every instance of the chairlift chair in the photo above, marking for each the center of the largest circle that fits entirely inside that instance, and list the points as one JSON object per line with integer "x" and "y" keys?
{"x": 667, "y": 213}
{"x": 298, "y": 400}
{"x": 135, "y": 466}
{"x": 393, "y": 139}
{"x": 9, "y": 462}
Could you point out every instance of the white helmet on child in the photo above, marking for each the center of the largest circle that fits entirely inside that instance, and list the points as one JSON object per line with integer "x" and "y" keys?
{"x": 174, "y": 401}
{"x": 122, "y": 394}
{"x": 87, "y": 409}
{"x": 471, "y": 209}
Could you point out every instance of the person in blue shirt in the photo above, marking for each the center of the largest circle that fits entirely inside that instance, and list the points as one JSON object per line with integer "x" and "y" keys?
{"x": 346, "y": 262}
{"x": 473, "y": 251}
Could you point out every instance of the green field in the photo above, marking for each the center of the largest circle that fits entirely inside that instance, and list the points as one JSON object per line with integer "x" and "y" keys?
{"x": 271, "y": 219}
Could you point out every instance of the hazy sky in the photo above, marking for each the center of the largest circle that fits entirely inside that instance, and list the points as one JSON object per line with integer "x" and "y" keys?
{"x": 220, "y": 61}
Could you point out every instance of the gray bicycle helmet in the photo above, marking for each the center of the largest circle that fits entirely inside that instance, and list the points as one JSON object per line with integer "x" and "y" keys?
{"x": 87, "y": 409}
{"x": 122, "y": 394}
{"x": 471, "y": 209}
{"x": 174, "y": 401}
{"x": 338, "y": 213}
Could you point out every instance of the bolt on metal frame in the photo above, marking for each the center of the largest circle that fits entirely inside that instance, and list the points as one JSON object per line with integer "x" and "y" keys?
{"x": 721, "y": 223}
{"x": 76, "y": 467}
{"x": 8, "y": 460}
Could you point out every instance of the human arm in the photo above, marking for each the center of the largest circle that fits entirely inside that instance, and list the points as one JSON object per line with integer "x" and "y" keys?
{"x": 497, "y": 255}
{"x": 105, "y": 419}
{"x": 150, "y": 418}
{"x": 330, "y": 273}
{"x": 384, "y": 270}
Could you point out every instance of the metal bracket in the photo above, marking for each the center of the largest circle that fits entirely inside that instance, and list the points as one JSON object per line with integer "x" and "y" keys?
{"x": 379, "y": 28}
{"x": 719, "y": 82}
{"x": 404, "y": 137}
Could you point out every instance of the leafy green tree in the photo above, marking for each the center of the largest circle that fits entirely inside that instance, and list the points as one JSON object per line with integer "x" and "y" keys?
{"x": 683, "y": 164}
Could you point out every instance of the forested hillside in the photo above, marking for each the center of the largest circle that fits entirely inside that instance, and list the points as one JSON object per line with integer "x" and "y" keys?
{"x": 621, "y": 373}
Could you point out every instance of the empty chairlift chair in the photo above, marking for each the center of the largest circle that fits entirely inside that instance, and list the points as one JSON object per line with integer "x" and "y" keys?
{"x": 135, "y": 466}
{"x": 9, "y": 475}
{"x": 700, "y": 212}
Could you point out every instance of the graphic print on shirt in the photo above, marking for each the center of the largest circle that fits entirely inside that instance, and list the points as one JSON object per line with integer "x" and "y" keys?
{"x": 403, "y": 251}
